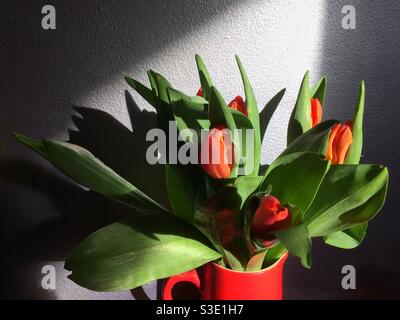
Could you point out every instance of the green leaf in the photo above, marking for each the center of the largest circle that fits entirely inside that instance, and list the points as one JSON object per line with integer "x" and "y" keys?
{"x": 253, "y": 115}
{"x": 274, "y": 254}
{"x": 133, "y": 252}
{"x": 189, "y": 113}
{"x": 252, "y": 110}
{"x": 354, "y": 154}
{"x": 83, "y": 167}
{"x": 318, "y": 91}
{"x": 220, "y": 219}
{"x": 234, "y": 263}
{"x": 347, "y": 239}
{"x": 181, "y": 182}
{"x": 162, "y": 87}
{"x": 163, "y": 106}
{"x": 248, "y": 211}
{"x": 241, "y": 121}
{"x": 349, "y": 195}
{"x": 205, "y": 78}
{"x": 200, "y": 101}
{"x": 296, "y": 213}
{"x": 268, "y": 111}
{"x": 36, "y": 145}
{"x": 314, "y": 140}
{"x": 145, "y": 92}
{"x": 153, "y": 83}
{"x": 295, "y": 178}
{"x": 194, "y": 103}
{"x": 256, "y": 261}
{"x": 297, "y": 241}
{"x": 300, "y": 119}
{"x": 247, "y": 154}
{"x": 246, "y": 186}
{"x": 220, "y": 114}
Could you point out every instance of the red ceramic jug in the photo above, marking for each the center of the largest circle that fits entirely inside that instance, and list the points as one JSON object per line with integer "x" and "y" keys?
{"x": 218, "y": 283}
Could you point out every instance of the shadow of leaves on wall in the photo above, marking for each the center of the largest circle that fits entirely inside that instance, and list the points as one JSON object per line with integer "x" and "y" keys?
{"x": 81, "y": 211}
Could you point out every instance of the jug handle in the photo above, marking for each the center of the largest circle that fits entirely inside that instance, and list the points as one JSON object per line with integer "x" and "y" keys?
{"x": 189, "y": 276}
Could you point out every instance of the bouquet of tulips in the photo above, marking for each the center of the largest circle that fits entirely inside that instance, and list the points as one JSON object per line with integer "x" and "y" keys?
{"x": 224, "y": 206}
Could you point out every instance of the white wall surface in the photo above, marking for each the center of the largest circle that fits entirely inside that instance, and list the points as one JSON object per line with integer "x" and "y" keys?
{"x": 82, "y": 63}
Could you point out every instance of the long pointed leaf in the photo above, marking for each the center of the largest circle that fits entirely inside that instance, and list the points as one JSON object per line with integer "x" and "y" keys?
{"x": 347, "y": 239}
{"x": 219, "y": 218}
{"x": 219, "y": 113}
{"x": 256, "y": 261}
{"x": 181, "y": 185}
{"x": 205, "y": 78}
{"x": 314, "y": 140}
{"x": 253, "y": 115}
{"x": 319, "y": 90}
{"x": 163, "y": 106}
{"x": 145, "y": 92}
{"x": 300, "y": 119}
{"x": 268, "y": 111}
{"x": 246, "y": 186}
{"x": 189, "y": 113}
{"x": 243, "y": 123}
{"x": 153, "y": 83}
{"x": 354, "y": 154}
{"x": 296, "y": 178}
{"x": 297, "y": 241}
{"x": 83, "y": 167}
{"x": 349, "y": 195}
{"x": 274, "y": 254}
{"x": 133, "y": 252}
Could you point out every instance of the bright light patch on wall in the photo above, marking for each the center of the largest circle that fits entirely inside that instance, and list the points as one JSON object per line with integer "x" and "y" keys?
{"x": 278, "y": 41}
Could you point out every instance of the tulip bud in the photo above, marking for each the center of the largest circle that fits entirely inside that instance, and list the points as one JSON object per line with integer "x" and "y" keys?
{"x": 316, "y": 112}
{"x": 339, "y": 142}
{"x": 217, "y": 153}
{"x": 269, "y": 217}
{"x": 239, "y": 105}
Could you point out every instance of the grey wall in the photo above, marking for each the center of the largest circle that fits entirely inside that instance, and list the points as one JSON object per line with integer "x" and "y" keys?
{"x": 67, "y": 84}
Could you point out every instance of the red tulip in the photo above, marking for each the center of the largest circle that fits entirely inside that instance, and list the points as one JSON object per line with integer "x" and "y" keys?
{"x": 239, "y": 105}
{"x": 316, "y": 112}
{"x": 339, "y": 142}
{"x": 217, "y": 154}
{"x": 270, "y": 216}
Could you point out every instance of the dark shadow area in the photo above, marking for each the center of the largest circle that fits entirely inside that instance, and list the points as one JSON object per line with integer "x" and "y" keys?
{"x": 139, "y": 294}
{"x": 185, "y": 291}
{"x": 43, "y": 214}
{"x": 79, "y": 212}
{"x": 370, "y": 52}
{"x": 26, "y": 245}
{"x": 120, "y": 148}
{"x": 376, "y": 274}
{"x": 77, "y": 209}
